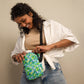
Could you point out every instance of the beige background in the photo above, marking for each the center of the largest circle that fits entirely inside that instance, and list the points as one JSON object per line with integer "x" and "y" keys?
{"x": 68, "y": 12}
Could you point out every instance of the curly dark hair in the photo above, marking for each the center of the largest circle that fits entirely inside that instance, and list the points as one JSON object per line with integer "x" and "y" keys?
{"x": 21, "y": 9}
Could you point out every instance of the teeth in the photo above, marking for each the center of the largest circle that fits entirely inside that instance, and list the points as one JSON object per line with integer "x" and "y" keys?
{"x": 27, "y": 26}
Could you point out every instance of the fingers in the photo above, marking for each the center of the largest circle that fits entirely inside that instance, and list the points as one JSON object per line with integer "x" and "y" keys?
{"x": 19, "y": 57}
{"x": 39, "y": 49}
{"x": 24, "y": 53}
{"x": 36, "y": 50}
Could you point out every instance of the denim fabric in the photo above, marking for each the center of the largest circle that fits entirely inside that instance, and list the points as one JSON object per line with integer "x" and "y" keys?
{"x": 53, "y": 76}
{"x": 25, "y": 81}
{"x": 50, "y": 76}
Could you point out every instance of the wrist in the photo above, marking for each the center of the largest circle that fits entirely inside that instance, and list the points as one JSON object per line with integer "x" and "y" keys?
{"x": 52, "y": 46}
{"x": 14, "y": 58}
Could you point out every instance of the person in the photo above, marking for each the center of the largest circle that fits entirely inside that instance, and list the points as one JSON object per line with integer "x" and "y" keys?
{"x": 57, "y": 39}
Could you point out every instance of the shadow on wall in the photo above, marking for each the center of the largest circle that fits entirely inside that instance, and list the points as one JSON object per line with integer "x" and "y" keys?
{"x": 14, "y": 72}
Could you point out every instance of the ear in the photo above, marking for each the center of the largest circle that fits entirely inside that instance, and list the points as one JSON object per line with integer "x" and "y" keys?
{"x": 30, "y": 14}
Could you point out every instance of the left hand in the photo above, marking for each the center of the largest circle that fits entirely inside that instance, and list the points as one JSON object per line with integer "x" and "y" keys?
{"x": 42, "y": 48}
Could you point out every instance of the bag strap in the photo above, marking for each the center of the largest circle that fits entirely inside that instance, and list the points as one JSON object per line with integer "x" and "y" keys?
{"x": 41, "y": 42}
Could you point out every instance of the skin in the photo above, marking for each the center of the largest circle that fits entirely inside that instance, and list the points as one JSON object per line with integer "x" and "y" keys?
{"x": 27, "y": 21}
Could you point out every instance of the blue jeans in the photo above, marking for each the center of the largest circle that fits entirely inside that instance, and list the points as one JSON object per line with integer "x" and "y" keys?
{"x": 50, "y": 76}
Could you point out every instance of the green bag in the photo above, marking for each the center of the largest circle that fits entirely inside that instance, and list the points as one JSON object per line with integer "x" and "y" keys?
{"x": 33, "y": 68}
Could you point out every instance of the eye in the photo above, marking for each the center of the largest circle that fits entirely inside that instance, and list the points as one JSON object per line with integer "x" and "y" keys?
{"x": 23, "y": 20}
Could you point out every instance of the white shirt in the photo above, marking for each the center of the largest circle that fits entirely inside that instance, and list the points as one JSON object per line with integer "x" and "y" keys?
{"x": 54, "y": 32}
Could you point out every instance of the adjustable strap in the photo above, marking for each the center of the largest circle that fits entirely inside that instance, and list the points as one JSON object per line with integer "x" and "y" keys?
{"x": 41, "y": 42}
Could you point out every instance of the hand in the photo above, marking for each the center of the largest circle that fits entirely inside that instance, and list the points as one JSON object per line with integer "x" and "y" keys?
{"x": 42, "y": 48}
{"x": 19, "y": 57}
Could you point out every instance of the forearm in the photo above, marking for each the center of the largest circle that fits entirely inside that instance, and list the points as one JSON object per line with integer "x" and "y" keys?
{"x": 61, "y": 44}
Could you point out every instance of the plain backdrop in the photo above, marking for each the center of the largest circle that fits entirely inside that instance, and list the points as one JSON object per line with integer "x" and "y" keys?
{"x": 70, "y": 13}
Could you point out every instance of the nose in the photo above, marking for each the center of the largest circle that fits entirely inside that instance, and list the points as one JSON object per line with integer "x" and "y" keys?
{"x": 23, "y": 25}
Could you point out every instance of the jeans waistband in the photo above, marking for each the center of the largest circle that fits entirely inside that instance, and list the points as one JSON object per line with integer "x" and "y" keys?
{"x": 47, "y": 66}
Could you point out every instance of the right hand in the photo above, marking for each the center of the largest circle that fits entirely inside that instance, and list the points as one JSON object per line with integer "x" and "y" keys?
{"x": 19, "y": 57}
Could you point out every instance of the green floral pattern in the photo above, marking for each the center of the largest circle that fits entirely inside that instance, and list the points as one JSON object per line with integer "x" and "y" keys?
{"x": 33, "y": 68}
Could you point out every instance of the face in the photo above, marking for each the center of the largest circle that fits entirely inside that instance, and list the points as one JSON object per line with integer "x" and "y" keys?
{"x": 24, "y": 21}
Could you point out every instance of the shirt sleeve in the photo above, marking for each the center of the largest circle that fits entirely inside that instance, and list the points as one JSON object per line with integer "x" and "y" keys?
{"x": 67, "y": 34}
{"x": 59, "y": 32}
{"x": 16, "y": 50}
